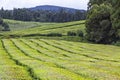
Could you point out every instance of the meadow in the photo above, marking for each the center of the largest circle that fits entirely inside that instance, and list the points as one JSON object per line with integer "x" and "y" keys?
{"x": 42, "y": 59}
{"x": 54, "y": 58}
{"x": 21, "y": 28}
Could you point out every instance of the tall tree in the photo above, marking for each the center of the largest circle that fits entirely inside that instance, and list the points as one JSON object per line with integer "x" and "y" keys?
{"x": 98, "y": 2}
{"x": 98, "y": 24}
{"x": 116, "y": 16}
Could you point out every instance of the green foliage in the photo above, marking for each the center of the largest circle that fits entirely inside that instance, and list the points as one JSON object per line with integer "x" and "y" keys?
{"x": 98, "y": 2}
{"x": 80, "y": 33}
{"x": 1, "y": 21}
{"x": 103, "y": 21}
{"x": 116, "y": 16}
{"x": 6, "y": 27}
{"x": 98, "y": 25}
{"x": 117, "y": 43}
{"x": 46, "y": 35}
{"x": 71, "y": 33}
{"x": 61, "y": 15}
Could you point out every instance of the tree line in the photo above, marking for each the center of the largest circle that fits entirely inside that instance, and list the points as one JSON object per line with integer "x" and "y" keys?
{"x": 103, "y": 21}
{"x": 24, "y": 14}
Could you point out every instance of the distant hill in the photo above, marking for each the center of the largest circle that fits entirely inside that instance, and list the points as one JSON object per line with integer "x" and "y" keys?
{"x": 54, "y": 8}
{"x": 45, "y": 13}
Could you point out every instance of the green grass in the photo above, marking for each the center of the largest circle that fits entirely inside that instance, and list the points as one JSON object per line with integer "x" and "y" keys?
{"x": 42, "y": 59}
{"x": 9, "y": 69}
{"x": 22, "y": 25}
{"x": 53, "y": 58}
{"x": 19, "y": 28}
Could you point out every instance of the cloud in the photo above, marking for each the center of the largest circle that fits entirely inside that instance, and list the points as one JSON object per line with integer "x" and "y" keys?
{"x": 10, "y": 4}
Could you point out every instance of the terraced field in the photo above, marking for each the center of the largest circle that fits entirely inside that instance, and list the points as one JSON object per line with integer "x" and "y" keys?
{"x": 21, "y": 28}
{"x": 40, "y": 59}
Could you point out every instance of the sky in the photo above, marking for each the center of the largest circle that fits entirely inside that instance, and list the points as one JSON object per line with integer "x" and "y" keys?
{"x": 10, "y": 4}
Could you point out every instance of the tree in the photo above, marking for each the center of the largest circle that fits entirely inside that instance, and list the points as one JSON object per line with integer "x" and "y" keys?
{"x": 5, "y": 27}
{"x": 116, "y": 17}
{"x": 1, "y": 21}
{"x": 98, "y": 24}
{"x": 98, "y": 2}
{"x": 79, "y": 15}
{"x": 61, "y": 15}
{"x": 80, "y": 33}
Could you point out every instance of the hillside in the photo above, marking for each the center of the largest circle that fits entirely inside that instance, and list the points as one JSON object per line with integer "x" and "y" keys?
{"x": 22, "y": 25}
{"x": 31, "y": 28}
{"x": 42, "y": 59}
{"x": 54, "y": 8}
{"x": 50, "y": 42}
{"x": 45, "y": 13}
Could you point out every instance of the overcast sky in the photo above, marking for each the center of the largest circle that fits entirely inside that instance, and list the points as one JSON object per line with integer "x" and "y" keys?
{"x": 10, "y": 4}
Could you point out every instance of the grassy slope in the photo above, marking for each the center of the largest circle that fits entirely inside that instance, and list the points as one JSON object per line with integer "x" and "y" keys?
{"x": 64, "y": 60}
{"x": 57, "y": 59}
{"x": 21, "y": 25}
{"x": 21, "y": 28}
{"x": 25, "y": 28}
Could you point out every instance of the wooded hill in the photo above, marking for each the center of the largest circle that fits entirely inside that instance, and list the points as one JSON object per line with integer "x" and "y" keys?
{"x": 44, "y": 14}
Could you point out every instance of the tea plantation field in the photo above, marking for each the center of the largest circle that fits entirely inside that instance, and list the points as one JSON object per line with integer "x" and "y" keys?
{"x": 42, "y": 59}
{"x": 22, "y": 28}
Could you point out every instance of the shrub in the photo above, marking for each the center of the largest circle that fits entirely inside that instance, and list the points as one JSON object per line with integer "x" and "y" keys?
{"x": 80, "y": 33}
{"x": 1, "y": 21}
{"x": 54, "y": 34}
{"x": 117, "y": 43}
{"x": 70, "y": 33}
{"x": 6, "y": 27}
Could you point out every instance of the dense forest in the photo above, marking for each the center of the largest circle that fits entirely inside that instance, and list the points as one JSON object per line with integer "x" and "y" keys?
{"x": 103, "y": 21}
{"x": 24, "y": 14}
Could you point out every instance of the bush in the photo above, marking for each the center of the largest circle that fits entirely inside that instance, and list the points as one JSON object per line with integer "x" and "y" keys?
{"x": 1, "y": 21}
{"x": 70, "y": 33}
{"x": 117, "y": 43}
{"x": 6, "y": 27}
{"x": 54, "y": 34}
{"x": 80, "y": 33}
